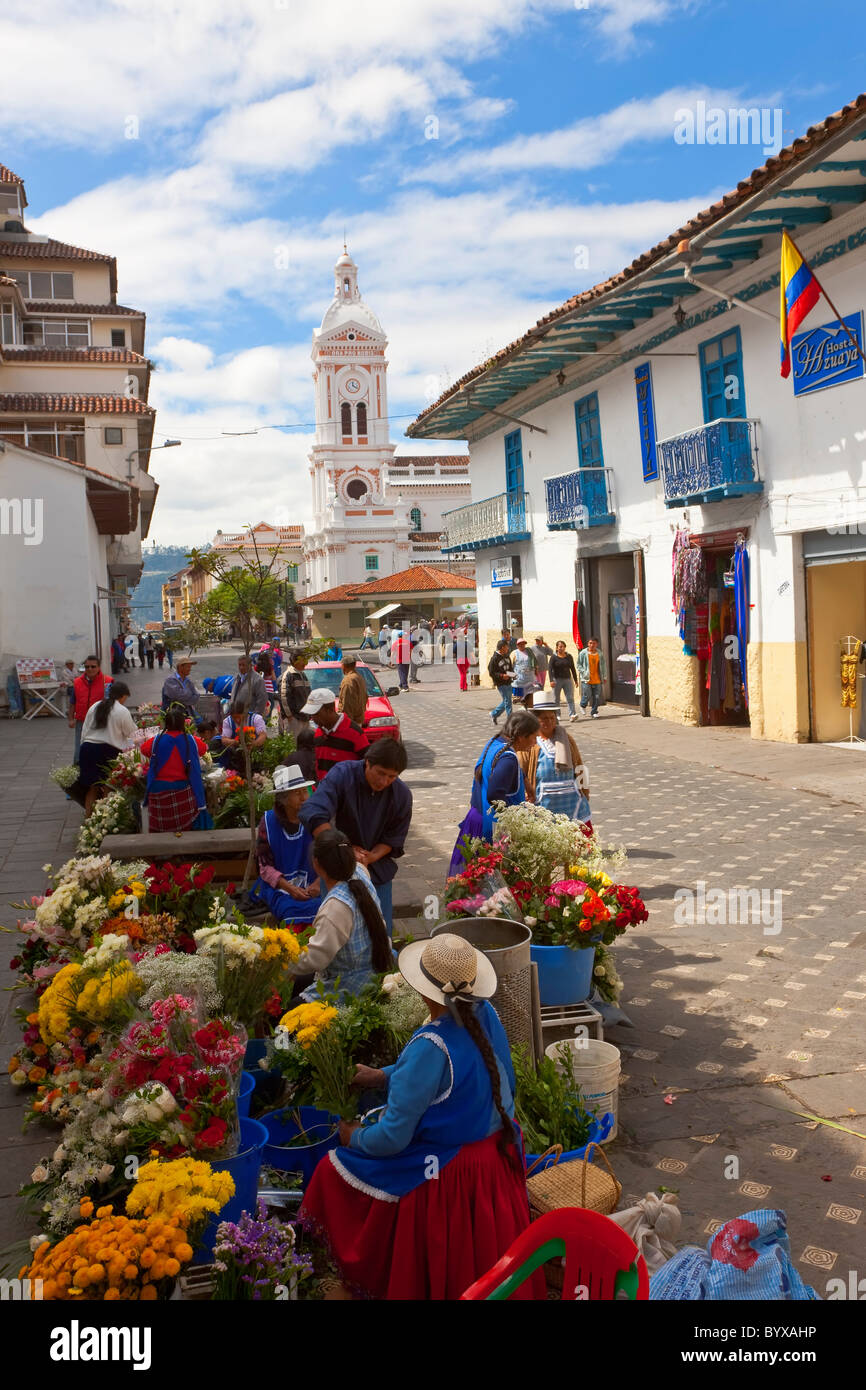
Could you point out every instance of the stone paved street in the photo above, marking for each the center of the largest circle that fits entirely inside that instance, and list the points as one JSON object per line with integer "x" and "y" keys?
{"x": 745, "y": 1029}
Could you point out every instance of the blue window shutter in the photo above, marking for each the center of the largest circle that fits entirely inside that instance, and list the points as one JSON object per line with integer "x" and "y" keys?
{"x": 723, "y": 390}
{"x": 513, "y": 464}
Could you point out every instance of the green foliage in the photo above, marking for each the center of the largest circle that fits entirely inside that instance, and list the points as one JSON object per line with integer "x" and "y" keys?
{"x": 275, "y": 751}
{"x": 235, "y": 810}
{"x": 548, "y": 1105}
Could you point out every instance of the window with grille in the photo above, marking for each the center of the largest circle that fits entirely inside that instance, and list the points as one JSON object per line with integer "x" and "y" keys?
{"x": 346, "y": 422}
{"x": 118, "y": 337}
{"x": 113, "y": 434}
{"x": 371, "y": 562}
{"x": 415, "y": 519}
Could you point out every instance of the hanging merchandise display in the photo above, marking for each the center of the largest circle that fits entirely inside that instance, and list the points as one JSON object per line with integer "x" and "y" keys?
{"x": 850, "y": 654}
{"x": 711, "y": 602}
{"x": 741, "y": 601}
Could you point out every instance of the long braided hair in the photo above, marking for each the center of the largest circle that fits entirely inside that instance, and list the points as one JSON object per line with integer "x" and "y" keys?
{"x": 332, "y": 850}
{"x": 507, "y": 1142}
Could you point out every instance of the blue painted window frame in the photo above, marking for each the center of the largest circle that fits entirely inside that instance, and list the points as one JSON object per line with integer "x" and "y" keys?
{"x": 415, "y": 519}
{"x": 734, "y": 409}
{"x": 587, "y": 423}
{"x": 514, "y": 484}
{"x": 371, "y": 562}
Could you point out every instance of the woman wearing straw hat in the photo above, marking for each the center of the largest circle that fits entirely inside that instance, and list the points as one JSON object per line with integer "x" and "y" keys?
{"x": 426, "y": 1194}
{"x": 287, "y": 882}
{"x": 552, "y": 768}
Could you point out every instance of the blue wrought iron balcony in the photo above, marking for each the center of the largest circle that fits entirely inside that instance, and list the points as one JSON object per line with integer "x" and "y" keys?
{"x": 714, "y": 461}
{"x": 579, "y": 499}
{"x": 493, "y": 521}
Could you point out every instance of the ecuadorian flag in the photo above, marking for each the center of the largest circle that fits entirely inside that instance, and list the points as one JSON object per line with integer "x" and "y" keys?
{"x": 799, "y": 292}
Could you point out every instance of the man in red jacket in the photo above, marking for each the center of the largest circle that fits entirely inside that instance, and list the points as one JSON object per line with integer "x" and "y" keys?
{"x": 86, "y": 690}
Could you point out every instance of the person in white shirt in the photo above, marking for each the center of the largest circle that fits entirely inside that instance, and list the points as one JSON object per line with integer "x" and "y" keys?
{"x": 368, "y": 639}
{"x": 385, "y": 645}
{"x": 241, "y": 718}
{"x": 108, "y": 729}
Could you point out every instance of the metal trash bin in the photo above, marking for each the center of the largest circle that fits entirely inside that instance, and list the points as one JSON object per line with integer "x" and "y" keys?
{"x": 506, "y": 946}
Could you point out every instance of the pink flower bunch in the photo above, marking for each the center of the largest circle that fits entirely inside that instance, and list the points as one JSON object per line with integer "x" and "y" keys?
{"x": 572, "y": 887}
{"x": 172, "y": 1007}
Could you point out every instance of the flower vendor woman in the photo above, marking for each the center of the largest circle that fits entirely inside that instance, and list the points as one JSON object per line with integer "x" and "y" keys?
{"x": 497, "y": 777}
{"x": 350, "y": 941}
{"x": 287, "y": 882}
{"x": 108, "y": 728}
{"x": 422, "y": 1202}
{"x": 553, "y": 769}
{"x": 174, "y": 794}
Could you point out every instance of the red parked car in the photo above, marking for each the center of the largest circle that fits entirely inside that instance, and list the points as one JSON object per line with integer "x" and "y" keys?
{"x": 380, "y": 721}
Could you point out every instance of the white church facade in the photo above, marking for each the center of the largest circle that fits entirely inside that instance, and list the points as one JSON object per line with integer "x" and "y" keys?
{"x": 374, "y": 514}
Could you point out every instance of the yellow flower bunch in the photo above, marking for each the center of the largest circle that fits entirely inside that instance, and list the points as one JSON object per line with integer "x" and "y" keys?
{"x": 308, "y": 1021}
{"x": 116, "y": 900}
{"x": 56, "y": 1004}
{"x": 594, "y": 877}
{"x": 112, "y": 1257}
{"x": 137, "y": 888}
{"x": 187, "y": 1188}
{"x": 100, "y": 995}
{"x": 278, "y": 943}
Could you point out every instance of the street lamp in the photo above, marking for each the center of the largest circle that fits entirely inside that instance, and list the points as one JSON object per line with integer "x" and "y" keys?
{"x": 169, "y": 444}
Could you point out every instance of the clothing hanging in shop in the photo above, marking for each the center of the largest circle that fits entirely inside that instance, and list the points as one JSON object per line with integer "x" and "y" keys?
{"x": 851, "y": 655}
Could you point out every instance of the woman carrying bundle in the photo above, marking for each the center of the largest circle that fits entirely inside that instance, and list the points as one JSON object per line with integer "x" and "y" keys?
{"x": 423, "y": 1201}
{"x": 108, "y": 728}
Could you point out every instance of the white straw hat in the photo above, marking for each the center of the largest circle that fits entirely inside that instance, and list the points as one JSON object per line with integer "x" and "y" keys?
{"x": 445, "y": 968}
{"x": 289, "y": 779}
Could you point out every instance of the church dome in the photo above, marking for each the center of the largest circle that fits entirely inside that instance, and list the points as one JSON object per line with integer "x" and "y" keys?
{"x": 347, "y": 306}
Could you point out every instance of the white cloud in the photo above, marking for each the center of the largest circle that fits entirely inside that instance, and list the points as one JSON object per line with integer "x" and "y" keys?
{"x": 617, "y": 20}
{"x": 585, "y": 144}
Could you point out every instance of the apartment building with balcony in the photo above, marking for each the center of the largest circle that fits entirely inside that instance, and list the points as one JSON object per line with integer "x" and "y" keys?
{"x": 649, "y": 438}
{"x": 74, "y": 383}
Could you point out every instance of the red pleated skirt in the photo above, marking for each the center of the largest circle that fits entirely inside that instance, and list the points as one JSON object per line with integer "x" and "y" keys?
{"x": 434, "y": 1242}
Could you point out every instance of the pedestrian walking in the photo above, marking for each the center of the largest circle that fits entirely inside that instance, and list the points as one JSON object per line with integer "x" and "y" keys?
{"x": 160, "y": 655}
{"x": 553, "y": 769}
{"x": 367, "y": 640}
{"x": 169, "y": 652}
{"x": 497, "y": 777}
{"x": 524, "y": 673}
{"x": 149, "y": 651}
{"x": 277, "y": 659}
{"x": 141, "y": 650}
{"x": 87, "y": 690}
{"x": 500, "y": 671}
{"x": 265, "y": 668}
{"x": 542, "y": 653}
{"x": 420, "y": 645}
{"x": 563, "y": 677}
{"x": 294, "y": 691}
{"x": 352, "y": 698}
{"x": 337, "y": 738}
{"x": 592, "y": 672}
{"x": 369, "y": 803}
{"x": 463, "y": 655}
{"x": 401, "y": 655}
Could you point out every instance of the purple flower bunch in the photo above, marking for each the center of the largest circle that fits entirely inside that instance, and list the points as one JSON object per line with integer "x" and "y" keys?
{"x": 255, "y": 1259}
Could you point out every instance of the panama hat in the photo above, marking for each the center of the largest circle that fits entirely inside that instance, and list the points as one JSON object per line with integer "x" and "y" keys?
{"x": 545, "y": 704}
{"x": 289, "y": 779}
{"x": 446, "y": 968}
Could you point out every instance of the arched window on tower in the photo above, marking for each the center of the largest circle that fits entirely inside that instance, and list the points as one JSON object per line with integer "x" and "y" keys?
{"x": 362, "y": 423}
{"x": 346, "y": 286}
{"x": 346, "y": 422}
{"x": 415, "y": 519}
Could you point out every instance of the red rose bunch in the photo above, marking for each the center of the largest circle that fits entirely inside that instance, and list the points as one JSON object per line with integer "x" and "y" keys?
{"x": 632, "y": 908}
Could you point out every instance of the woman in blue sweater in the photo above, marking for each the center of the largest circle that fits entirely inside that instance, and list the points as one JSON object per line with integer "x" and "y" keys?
{"x": 426, "y": 1194}
{"x": 497, "y": 777}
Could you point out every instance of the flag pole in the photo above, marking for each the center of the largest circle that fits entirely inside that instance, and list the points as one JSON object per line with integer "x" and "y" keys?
{"x": 842, "y": 322}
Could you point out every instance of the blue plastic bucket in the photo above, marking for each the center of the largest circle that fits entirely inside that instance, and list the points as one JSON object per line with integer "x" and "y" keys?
{"x": 245, "y": 1094}
{"x": 299, "y": 1158}
{"x": 257, "y": 1050}
{"x": 244, "y": 1167}
{"x": 564, "y": 974}
{"x": 599, "y": 1130}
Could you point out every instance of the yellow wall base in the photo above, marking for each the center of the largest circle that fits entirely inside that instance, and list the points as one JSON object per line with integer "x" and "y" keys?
{"x": 778, "y": 691}
{"x": 673, "y": 681}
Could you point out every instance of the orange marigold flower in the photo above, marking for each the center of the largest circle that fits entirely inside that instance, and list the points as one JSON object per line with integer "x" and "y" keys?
{"x": 108, "y": 1297}
{"x": 86, "y": 1207}
{"x": 148, "y": 1293}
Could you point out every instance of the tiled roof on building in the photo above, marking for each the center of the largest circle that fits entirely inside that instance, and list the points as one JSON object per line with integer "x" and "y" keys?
{"x": 116, "y": 356}
{"x": 47, "y": 250}
{"x": 416, "y": 579}
{"x": 7, "y": 176}
{"x": 33, "y": 402}
{"x": 68, "y": 309}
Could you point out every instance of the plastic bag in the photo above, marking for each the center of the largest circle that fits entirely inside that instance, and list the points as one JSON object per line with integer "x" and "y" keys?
{"x": 654, "y": 1226}
{"x": 748, "y": 1258}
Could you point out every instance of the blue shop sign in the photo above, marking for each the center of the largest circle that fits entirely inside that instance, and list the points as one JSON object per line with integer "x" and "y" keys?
{"x": 646, "y": 421}
{"x": 826, "y": 356}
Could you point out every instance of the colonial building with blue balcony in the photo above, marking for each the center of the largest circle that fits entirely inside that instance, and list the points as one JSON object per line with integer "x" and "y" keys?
{"x": 695, "y": 511}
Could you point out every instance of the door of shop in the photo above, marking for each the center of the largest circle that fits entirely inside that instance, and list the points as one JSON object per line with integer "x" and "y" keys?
{"x": 622, "y": 647}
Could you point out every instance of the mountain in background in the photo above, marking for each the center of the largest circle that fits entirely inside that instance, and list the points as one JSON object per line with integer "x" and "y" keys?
{"x": 160, "y": 562}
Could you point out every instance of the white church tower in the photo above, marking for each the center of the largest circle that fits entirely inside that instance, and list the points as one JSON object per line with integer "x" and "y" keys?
{"x": 360, "y": 524}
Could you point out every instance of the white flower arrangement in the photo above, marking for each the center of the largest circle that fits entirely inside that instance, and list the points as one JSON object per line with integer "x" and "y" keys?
{"x": 173, "y": 972}
{"x": 65, "y": 776}
{"x": 111, "y": 948}
{"x": 237, "y": 948}
{"x": 153, "y": 1102}
{"x": 110, "y": 816}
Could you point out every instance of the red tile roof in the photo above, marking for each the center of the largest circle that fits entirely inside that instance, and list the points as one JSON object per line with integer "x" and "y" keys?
{"x": 815, "y": 136}
{"x": 7, "y": 176}
{"x": 33, "y": 402}
{"x": 416, "y": 579}
{"x": 51, "y": 306}
{"x": 118, "y": 356}
{"x": 47, "y": 250}
{"x": 427, "y": 460}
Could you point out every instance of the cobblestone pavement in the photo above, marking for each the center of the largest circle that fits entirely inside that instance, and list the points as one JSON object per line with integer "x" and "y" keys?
{"x": 751, "y": 1030}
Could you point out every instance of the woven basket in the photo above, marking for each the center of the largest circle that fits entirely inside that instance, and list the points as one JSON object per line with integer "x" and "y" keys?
{"x": 576, "y": 1183}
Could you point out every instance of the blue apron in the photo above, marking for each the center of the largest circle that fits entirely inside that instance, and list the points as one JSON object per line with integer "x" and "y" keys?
{"x": 352, "y": 967}
{"x": 556, "y": 788}
{"x": 291, "y": 851}
{"x": 492, "y": 754}
{"x": 459, "y": 1116}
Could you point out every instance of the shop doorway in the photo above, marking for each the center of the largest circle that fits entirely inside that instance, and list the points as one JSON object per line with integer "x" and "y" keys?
{"x": 611, "y": 601}
{"x": 622, "y": 647}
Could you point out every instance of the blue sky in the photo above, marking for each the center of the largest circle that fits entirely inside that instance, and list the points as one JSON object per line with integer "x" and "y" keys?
{"x": 262, "y": 128}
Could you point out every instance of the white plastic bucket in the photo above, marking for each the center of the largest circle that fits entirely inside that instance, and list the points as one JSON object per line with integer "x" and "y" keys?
{"x": 596, "y": 1070}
